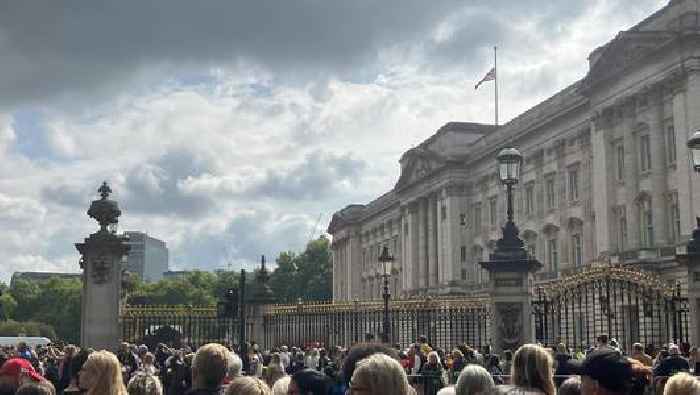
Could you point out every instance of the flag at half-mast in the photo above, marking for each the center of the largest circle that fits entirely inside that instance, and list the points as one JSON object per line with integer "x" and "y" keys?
{"x": 490, "y": 76}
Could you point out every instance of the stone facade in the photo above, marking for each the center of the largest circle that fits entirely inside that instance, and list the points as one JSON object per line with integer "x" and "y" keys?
{"x": 606, "y": 177}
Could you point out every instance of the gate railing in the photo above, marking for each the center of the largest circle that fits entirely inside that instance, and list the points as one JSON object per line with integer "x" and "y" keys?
{"x": 446, "y": 322}
{"x": 626, "y": 304}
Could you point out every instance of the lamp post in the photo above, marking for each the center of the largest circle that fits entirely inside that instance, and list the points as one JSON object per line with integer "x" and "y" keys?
{"x": 694, "y": 146}
{"x": 510, "y": 246}
{"x": 386, "y": 260}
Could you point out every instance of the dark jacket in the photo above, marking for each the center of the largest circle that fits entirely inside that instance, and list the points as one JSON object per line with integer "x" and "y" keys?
{"x": 671, "y": 366}
{"x": 218, "y": 391}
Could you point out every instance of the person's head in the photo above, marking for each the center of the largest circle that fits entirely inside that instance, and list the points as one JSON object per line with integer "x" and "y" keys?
{"x": 36, "y": 388}
{"x": 493, "y": 360}
{"x": 124, "y": 347}
{"x": 281, "y": 386}
{"x": 606, "y": 372}
{"x": 602, "y": 339}
{"x": 682, "y": 384}
{"x": 674, "y": 351}
{"x": 379, "y": 374}
{"x": 561, "y": 348}
{"x": 571, "y": 386}
{"x": 76, "y": 364}
{"x": 532, "y": 368}
{"x": 663, "y": 354}
{"x": 309, "y": 382}
{"x": 149, "y": 359}
{"x": 433, "y": 358}
{"x": 248, "y": 385}
{"x": 235, "y": 365}
{"x": 361, "y": 351}
{"x": 209, "y": 366}
{"x": 474, "y": 380}
{"x": 102, "y": 374}
{"x": 637, "y": 348}
{"x": 144, "y": 384}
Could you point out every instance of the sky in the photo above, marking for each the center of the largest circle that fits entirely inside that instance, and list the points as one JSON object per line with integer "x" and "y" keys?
{"x": 234, "y": 129}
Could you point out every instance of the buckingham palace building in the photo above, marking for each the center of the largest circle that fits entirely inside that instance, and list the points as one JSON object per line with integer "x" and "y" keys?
{"x": 606, "y": 178}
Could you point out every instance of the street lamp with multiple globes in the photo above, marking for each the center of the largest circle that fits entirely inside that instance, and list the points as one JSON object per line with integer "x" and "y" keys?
{"x": 386, "y": 260}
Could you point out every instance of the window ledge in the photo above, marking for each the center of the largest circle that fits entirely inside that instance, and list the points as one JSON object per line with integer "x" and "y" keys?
{"x": 645, "y": 173}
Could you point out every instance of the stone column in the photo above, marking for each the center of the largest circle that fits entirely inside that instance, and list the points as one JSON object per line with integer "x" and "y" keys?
{"x": 659, "y": 168}
{"x": 631, "y": 182}
{"x": 432, "y": 240}
{"x": 602, "y": 189}
{"x": 421, "y": 261}
{"x": 101, "y": 261}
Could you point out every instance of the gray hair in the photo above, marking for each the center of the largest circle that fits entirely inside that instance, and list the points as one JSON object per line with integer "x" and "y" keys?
{"x": 381, "y": 375}
{"x": 474, "y": 380}
{"x": 235, "y": 365}
{"x": 144, "y": 384}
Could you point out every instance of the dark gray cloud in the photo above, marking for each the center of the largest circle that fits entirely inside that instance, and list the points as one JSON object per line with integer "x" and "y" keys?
{"x": 52, "y": 47}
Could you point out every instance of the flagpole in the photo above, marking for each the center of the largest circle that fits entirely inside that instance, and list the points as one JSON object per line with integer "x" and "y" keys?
{"x": 495, "y": 85}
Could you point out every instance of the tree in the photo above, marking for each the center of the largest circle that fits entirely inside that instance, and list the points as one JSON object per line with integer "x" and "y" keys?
{"x": 307, "y": 276}
{"x": 283, "y": 278}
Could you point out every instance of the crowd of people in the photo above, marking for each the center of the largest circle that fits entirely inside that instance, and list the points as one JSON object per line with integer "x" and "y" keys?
{"x": 363, "y": 369}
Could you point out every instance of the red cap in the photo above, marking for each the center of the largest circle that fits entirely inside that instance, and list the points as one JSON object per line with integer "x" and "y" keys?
{"x": 18, "y": 367}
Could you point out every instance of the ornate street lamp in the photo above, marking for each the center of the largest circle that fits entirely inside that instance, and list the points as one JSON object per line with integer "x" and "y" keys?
{"x": 694, "y": 145}
{"x": 509, "y": 162}
{"x": 386, "y": 260}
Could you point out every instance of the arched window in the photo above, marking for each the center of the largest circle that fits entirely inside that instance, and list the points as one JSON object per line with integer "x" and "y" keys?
{"x": 551, "y": 237}
{"x": 477, "y": 270}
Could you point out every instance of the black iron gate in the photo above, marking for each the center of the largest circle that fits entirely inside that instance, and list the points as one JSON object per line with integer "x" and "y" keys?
{"x": 177, "y": 326}
{"x": 628, "y": 305}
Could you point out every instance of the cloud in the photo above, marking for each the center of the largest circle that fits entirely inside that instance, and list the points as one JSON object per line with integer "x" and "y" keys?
{"x": 226, "y": 128}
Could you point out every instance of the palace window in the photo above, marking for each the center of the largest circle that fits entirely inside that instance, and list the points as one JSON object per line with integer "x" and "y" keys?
{"x": 573, "y": 184}
{"x": 464, "y": 274}
{"x": 476, "y": 218}
{"x": 530, "y": 198}
{"x": 620, "y": 153}
{"x": 550, "y": 191}
{"x": 644, "y": 152}
{"x": 621, "y": 228}
{"x": 646, "y": 231}
{"x": 463, "y": 254}
{"x": 443, "y": 212}
{"x": 553, "y": 255}
{"x": 674, "y": 218}
{"x": 493, "y": 215}
{"x": 576, "y": 250}
{"x": 670, "y": 144}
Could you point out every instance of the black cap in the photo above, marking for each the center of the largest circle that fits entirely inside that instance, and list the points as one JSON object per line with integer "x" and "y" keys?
{"x": 608, "y": 367}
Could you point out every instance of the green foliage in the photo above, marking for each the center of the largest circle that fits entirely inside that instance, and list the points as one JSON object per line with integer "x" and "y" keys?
{"x": 307, "y": 276}
{"x": 196, "y": 288}
{"x": 28, "y": 328}
{"x": 55, "y": 302}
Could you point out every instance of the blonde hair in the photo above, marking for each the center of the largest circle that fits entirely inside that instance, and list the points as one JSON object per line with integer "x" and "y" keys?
{"x": 381, "y": 375}
{"x": 682, "y": 384}
{"x": 281, "y": 386}
{"x": 209, "y": 366}
{"x": 248, "y": 385}
{"x": 532, "y": 368}
{"x": 105, "y": 374}
{"x": 144, "y": 384}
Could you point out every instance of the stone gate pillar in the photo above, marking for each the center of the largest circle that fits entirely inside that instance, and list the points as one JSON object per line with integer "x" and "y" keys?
{"x": 261, "y": 298}
{"x": 101, "y": 261}
{"x": 510, "y": 289}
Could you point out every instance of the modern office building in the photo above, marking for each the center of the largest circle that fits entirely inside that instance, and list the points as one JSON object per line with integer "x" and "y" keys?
{"x": 148, "y": 256}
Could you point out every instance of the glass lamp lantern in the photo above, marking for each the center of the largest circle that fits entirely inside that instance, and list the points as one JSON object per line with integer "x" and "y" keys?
{"x": 386, "y": 260}
{"x": 694, "y": 146}
{"x": 509, "y": 162}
